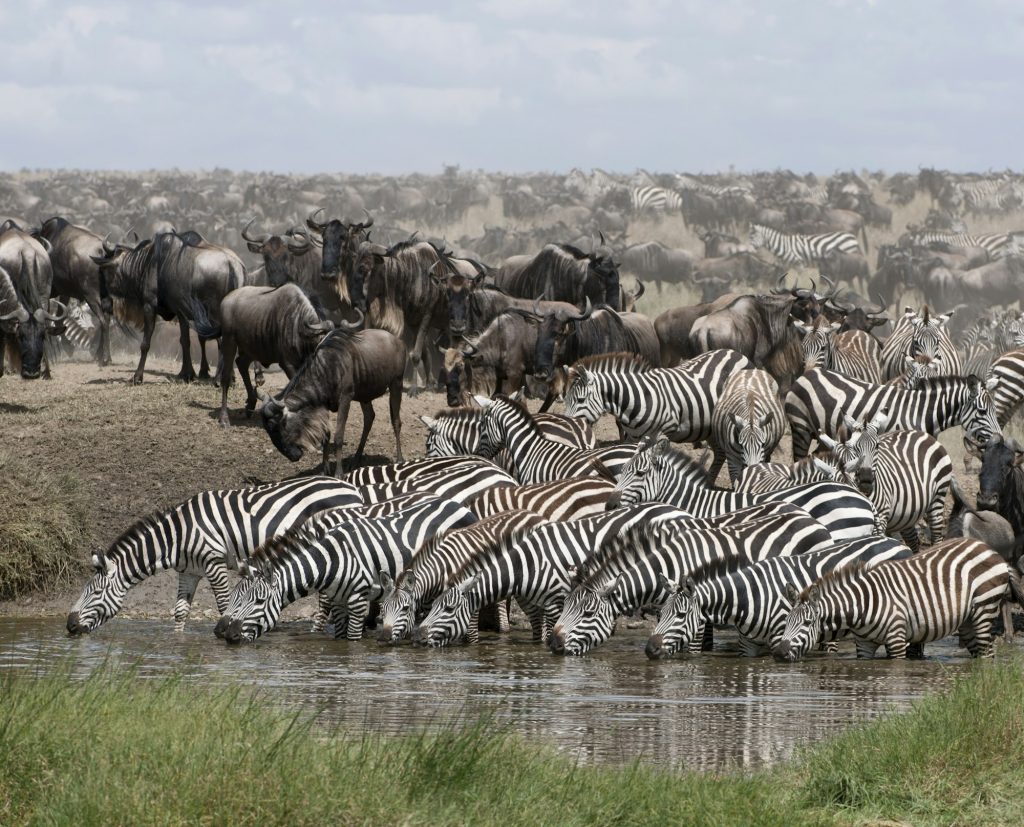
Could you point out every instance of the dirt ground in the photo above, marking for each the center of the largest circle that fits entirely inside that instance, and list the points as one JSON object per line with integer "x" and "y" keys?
{"x": 147, "y": 448}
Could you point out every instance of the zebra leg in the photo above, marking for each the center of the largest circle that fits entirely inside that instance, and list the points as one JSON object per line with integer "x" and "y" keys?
{"x": 865, "y": 648}
{"x": 187, "y": 584}
{"x": 717, "y": 461}
{"x": 538, "y": 621}
{"x": 358, "y": 609}
{"x": 910, "y": 538}
{"x": 707, "y": 640}
{"x": 473, "y": 630}
{"x": 750, "y": 649}
{"x": 1007, "y": 622}
{"x": 217, "y": 574}
{"x": 503, "y": 625}
{"x": 896, "y": 643}
{"x": 937, "y": 519}
{"x": 323, "y": 611}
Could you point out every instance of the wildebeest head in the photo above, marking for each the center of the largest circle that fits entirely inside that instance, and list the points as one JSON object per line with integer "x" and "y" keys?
{"x": 851, "y": 317}
{"x": 27, "y": 329}
{"x": 454, "y": 375}
{"x": 277, "y": 252}
{"x": 292, "y": 432}
{"x": 457, "y": 288}
{"x": 555, "y": 327}
{"x": 607, "y": 272}
{"x": 369, "y": 261}
{"x": 340, "y": 242}
{"x": 999, "y": 459}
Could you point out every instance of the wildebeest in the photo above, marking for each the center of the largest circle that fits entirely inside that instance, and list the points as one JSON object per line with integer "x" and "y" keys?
{"x": 742, "y": 269}
{"x": 25, "y": 312}
{"x": 166, "y": 276}
{"x": 673, "y": 328}
{"x": 653, "y": 260}
{"x": 719, "y": 245}
{"x": 561, "y": 272}
{"x": 346, "y": 366}
{"x": 76, "y": 274}
{"x": 1001, "y": 479}
{"x": 269, "y": 325}
{"x": 340, "y": 241}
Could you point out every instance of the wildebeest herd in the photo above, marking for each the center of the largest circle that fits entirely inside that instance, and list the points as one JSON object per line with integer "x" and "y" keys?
{"x": 508, "y": 504}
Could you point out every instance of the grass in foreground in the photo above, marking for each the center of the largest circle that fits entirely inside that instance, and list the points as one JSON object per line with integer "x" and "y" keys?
{"x": 42, "y": 519}
{"x": 118, "y": 750}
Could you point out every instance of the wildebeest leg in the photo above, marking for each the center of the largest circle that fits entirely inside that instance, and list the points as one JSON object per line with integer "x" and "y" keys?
{"x": 368, "y": 417}
{"x": 339, "y": 434}
{"x": 148, "y": 323}
{"x": 395, "y": 409}
{"x": 186, "y": 592}
{"x": 204, "y": 365}
{"x": 228, "y": 345}
{"x": 188, "y": 371}
{"x": 549, "y": 400}
{"x": 102, "y": 353}
{"x": 417, "y": 357}
{"x": 243, "y": 363}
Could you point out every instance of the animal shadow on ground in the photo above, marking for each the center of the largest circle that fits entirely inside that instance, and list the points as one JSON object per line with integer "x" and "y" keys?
{"x": 15, "y": 408}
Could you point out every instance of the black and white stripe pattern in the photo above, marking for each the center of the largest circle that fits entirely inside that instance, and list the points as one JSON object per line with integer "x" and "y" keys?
{"x": 558, "y": 500}
{"x": 462, "y": 484}
{"x": 852, "y": 352}
{"x": 636, "y": 563}
{"x": 906, "y": 474}
{"x": 747, "y": 421}
{"x": 820, "y": 400}
{"x": 801, "y": 249}
{"x": 398, "y": 471}
{"x": 957, "y": 586}
{"x": 536, "y": 458}
{"x": 659, "y": 473}
{"x": 1008, "y": 371}
{"x": 655, "y": 199}
{"x": 753, "y": 598}
{"x": 344, "y": 565}
{"x": 996, "y": 244}
{"x": 920, "y": 334}
{"x": 409, "y": 597}
{"x": 202, "y": 537}
{"x": 674, "y": 402}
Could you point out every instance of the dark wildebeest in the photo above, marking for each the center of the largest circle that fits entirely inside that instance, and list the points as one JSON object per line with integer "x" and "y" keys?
{"x": 262, "y": 324}
{"x": 653, "y": 260}
{"x": 673, "y": 328}
{"x": 738, "y": 270}
{"x": 76, "y": 274}
{"x": 396, "y": 291}
{"x": 346, "y": 366}
{"x": 458, "y": 278}
{"x": 759, "y": 327}
{"x": 341, "y": 242}
{"x": 894, "y": 273}
{"x": 165, "y": 277}
{"x": 294, "y": 258}
{"x": 1001, "y": 479}
{"x": 561, "y": 272}
{"x": 26, "y": 315}
{"x": 720, "y": 245}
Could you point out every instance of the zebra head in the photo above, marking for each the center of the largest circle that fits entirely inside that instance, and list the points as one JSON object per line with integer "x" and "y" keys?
{"x": 640, "y": 480}
{"x": 587, "y": 619}
{"x": 681, "y": 622}
{"x": 492, "y": 428}
{"x": 751, "y": 437}
{"x": 803, "y": 630}
{"x": 254, "y": 606}
{"x": 818, "y": 342}
{"x": 918, "y": 368}
{"x": 978, "y": 416}
{"x": 929, "y": 333}
{"x": 1016, "y": 330}
{"x": 449, "y": 617}
{"x": 446, "y": 437}
{"x": 582, "y": 395}
{"x": 397, "y": 607}
{"x": 758, "y": 236}
{"x": 101, "y": 598}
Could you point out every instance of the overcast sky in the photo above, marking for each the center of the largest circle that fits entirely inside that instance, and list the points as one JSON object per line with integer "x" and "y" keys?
{"x": 514, "y": 85}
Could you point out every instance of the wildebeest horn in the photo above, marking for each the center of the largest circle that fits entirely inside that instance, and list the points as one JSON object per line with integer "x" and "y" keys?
{"x": 109, "y": 248}
{"x": 639, "y": 291}
{"x": 303, "y": 246}
{"x": 258, "y": 239}
{"x": 471, "y": 349}
{"x": 369, "y": 220}
{"x": 601, "y": 236}
{"x": 352, "y": 326}
{"x": 587, "y": 310}
{"x": 881, "y": 307}
{"x": 779, "y": 289}
{"x": 62, "y": 311}
{"x": 833, "y": 288}
{"x": 313, "y": 224}
{"x": 45, "y": 242}
{"x": 326, "y": 326}
{"x": 19, "y": 313}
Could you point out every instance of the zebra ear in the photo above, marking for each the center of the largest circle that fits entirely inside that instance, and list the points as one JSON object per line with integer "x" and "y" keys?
{"x": 109, "y": 569}
{"x": 482, "y": 401}
{"x": 244, "y": 570}
{"x": 671, "y": 586}
{"x": 387, "y": 584}
{"x": 408, "y": 580}
{"x": 851, "y": 423}
{"x": 467, "y": 586}
{"x": 880, "y": 420}
{"x": 737, "y": 420}
{"x": 827, "y": 441}
{"x": 764, "y": 419}
{"x": 608, "y": 589}
{"x": 813, "y": 594}
{"x": 429, "y": 422}
{"x": 689, "y": 587}
{"x": 824, "y": 468}
{"x": 792, "y": 594}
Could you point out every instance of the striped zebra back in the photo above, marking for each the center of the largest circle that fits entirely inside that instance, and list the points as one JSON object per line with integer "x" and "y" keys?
{"x": 858, "y": 355}
{"x": 1008, "y": 370}
{"x": 558, "y": 500}
{"x": 802, "y": 249}
{"x": 654, "y": 199}
{"x": 462, "y": 483}
{"x": 375, "y": 474}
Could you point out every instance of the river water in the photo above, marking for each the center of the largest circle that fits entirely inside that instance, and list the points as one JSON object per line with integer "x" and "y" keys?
{"x": 612, "y": 706}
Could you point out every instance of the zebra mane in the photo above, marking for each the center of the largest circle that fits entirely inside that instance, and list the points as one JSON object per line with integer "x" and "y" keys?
{"x": 835, "y": 578}
{"x": 278, "y": 548}
{"x": 495, "y": 547}
{"x": 459, "y": 414}
{"x": 691, "y": 470}
{"x": 624, "y": 548}
{"x": 720, "y": 567}
{"x": 522, "y": 414}
{"x": 614, "y": 362}
{"x": 940, "y": 383}
{"x": 136, "y": 529}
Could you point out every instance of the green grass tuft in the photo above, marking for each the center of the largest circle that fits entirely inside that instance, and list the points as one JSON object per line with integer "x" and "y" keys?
{"x": 42, "y": 527}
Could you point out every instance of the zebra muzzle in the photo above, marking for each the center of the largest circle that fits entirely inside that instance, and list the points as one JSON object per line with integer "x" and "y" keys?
{"x": 74, "y": 627}
{"x": 653, "y": 650}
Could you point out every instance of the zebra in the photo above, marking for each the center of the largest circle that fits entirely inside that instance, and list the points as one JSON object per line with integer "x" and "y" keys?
{"x": 1008, "y": 370}
{"x": 996, "y": 245}
{"x": 979, "y": 348}
{"x": 852, "y": 352}
{"x": 920, "y": 333}
{"x": 752, "y": 598}
{"x": 410, "y": 597}
{"x": 659, "y": 473}
{"x": 397, "y": 471}
{"x": 462, "y": 484}
{"x": 674, "y": 402}
{"x": 655, "y": 199}
{"x": 747, "y": 422}
{"x": 955, "y": 586}
{"x": 535, "y": 569}
{"x": 457, "y": 431}
{"x": 536, "y": 458}
{"x": 343, "y": 565}
{"x": 802, "y": 249}
{"x": 627, "y": 576}
{"x": 989, "y": 195}
{"x": 917, "y": 369}
{"x": 203, "y": 536}
{"x": 766, "y": 477}
{"x": 820, "y": 399}
{"x": 906, "y": 474}
{"x": 558, "y": 500}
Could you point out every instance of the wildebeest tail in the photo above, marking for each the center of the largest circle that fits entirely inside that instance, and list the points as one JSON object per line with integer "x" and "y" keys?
{"x": 201, "y": 321}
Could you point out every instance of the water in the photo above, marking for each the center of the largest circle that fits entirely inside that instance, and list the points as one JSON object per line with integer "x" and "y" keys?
{"x": 613, "y": 706}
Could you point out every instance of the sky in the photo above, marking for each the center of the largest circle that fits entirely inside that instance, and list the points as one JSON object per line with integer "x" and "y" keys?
{"x": 512, "y": 85}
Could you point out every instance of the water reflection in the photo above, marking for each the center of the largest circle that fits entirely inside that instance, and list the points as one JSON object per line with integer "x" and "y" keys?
{"x": 612, "y": 706}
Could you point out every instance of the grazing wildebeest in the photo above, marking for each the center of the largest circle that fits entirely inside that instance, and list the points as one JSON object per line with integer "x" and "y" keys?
{"x": 262, "y": 324}
{"x": 561, "y": 272}
{"x": 165, "y": 276}
{"x": 25, "y": 311}
{"x": 76, "y": 275}
{"x": 346, "y": 366}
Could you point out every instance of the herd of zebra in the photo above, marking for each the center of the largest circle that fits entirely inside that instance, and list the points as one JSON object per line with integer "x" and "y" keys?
{"x": 512, "y": 505}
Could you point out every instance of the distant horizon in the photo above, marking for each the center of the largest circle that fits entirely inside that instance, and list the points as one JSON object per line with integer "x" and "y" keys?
{"x": 511, "y": 85}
